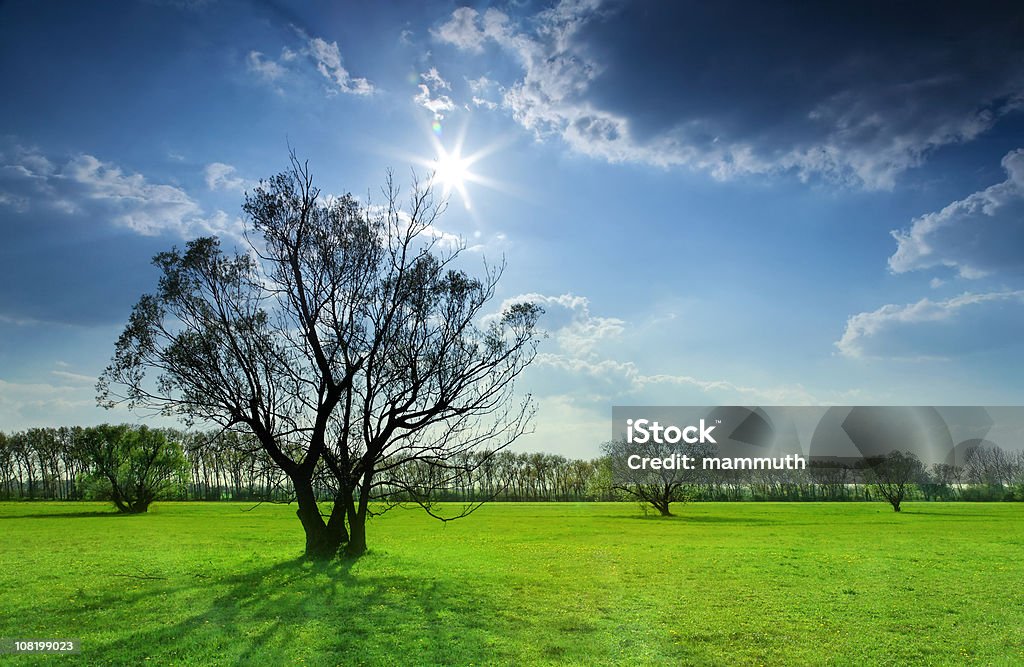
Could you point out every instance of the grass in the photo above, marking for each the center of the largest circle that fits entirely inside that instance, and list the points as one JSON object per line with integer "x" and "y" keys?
{"x": 193, "y": 583}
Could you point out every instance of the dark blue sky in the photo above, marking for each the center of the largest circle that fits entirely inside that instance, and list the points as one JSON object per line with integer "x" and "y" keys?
{"x": 731, "y": 203}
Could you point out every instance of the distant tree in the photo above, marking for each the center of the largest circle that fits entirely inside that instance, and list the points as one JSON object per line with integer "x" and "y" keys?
{"x": 133, "y": 465}
{"x": 937, "y": 481}
{"x": 831, "y": 477}
{"x": 893, "y": 475}
{"x": 660, "y": 487}
{"x": 7, "y": 467}
{"x": 345, "y": 339}
{"x": 26, "y": 461}
{"x": 990, "y": 466}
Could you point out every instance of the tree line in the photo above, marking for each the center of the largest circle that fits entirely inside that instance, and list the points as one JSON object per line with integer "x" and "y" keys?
{"x": 68, "y": 463}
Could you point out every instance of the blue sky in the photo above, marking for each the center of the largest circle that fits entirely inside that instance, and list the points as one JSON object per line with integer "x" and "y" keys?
{"x": 716, "y": 203}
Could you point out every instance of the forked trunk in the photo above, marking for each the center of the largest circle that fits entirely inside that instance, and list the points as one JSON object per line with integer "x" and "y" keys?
{"x": 322, "y": 540}
{"x": 662, "y": 506}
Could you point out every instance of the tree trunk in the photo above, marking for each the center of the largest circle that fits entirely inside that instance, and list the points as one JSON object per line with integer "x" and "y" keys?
{"x": 356, "y": 528}
{"x": 321, "y": 543}
{"x": 336, "y": 522}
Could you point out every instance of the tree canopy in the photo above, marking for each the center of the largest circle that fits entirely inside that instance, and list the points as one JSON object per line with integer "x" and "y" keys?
{"x": 346, "y": 338}
{"x": 134, "y": 465}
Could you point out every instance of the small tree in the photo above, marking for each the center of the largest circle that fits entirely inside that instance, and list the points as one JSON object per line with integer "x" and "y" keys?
{"x": 661, "y": 487}
{"x": 893, "y": 475}
{"x": 133, "y": 465}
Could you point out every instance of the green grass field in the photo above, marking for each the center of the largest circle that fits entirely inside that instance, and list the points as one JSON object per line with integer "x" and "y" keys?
{"x": 193, "y": 583}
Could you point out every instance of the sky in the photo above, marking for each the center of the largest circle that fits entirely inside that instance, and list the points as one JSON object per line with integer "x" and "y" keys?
{"x": 732, "y": 203}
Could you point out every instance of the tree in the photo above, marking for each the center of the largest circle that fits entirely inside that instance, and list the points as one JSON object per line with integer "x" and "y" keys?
{"x": 660, "y": 487}
{"x": 937, "y": 481}
{"x": 133, "y": 465}
{"x": 345, "y": 339}
{"x": 892, "y": 475}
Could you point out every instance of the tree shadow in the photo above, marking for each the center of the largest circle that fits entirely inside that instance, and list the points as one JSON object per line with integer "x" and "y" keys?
{"x": 67, "y": 515}
{"x": 313, "y": 612}
{"x": 937, "y": 513}
{"x": 685, "y": 518}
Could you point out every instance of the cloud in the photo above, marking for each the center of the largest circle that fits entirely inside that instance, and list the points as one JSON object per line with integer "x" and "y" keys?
{"x": 482, "y": 88}
{"x": 86, "y": 188}
{"x": 75, "y": 377}
{"x": 842, "y": 100}
{"x": 434, "y": 79}
{"x": 429, "y": 98}
{"x": 568, "y": 320}
{"x": 326, "y": 57}
{"x": 979, "y": 235}
{"x": 461, "y": 30}
{"x": 935, "y": 329}
{"x": 625, "y": 380}
{"x": 578, "y": 375}
{"x": 328, "y": 63}
{"x": 583, "y": 364}
{"x": 220, "y": 176}
{"x": 26, "y": 405}
{"x": 265, "y": 68}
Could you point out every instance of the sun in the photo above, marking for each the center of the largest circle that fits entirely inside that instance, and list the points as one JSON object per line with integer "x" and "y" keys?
{"x": 451, "y": 171}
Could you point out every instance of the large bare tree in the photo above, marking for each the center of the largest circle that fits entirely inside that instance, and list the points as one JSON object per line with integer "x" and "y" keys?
{"x": 347, "y": 339}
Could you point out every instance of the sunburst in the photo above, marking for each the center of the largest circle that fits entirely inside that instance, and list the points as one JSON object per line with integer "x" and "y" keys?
{"x": 452, "y": 171}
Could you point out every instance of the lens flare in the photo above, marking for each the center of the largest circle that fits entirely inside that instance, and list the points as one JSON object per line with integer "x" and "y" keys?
{"x": 451, "y": 169}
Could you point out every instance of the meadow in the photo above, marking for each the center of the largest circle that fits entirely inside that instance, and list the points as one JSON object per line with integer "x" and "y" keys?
{"x": 587, "y": 583}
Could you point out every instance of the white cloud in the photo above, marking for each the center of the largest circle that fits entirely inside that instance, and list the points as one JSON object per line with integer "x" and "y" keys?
{"x": 87, "y": 188}
{"x": 625, "y": 379}
{"x": 23, "y": 405}
{"x": 24, "y": 321}
{"x": 220, "y": 176}
{"x": 429, "y": 96}
{"x": 583, "y": 365}
{"x": 577, "y": 376}
{"x": 328, "y": 63}
{"x": 568, "y": 320}
{"x": 461, "y": 30}
{"x": 26, "y": 405}
{"x": 935, "y": 329}
{"x": 485, "y": 103}
{"x": 267, "y": 69}
{"x": 976, "y": 236}
{"x": 325, "y": 55}
{"x": 865, "y": 133}
{"x": 481, "y": 85}
{"x": 435, "y": 105}
{"x": 482, "y": 89}
{"x": 549, "y": 98}
{"x": 434, "y": 79}
{"x": 74, "y": 377}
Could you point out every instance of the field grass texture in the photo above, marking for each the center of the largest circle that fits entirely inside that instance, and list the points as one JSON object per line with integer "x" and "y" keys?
{"x": 521, "y": 583}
